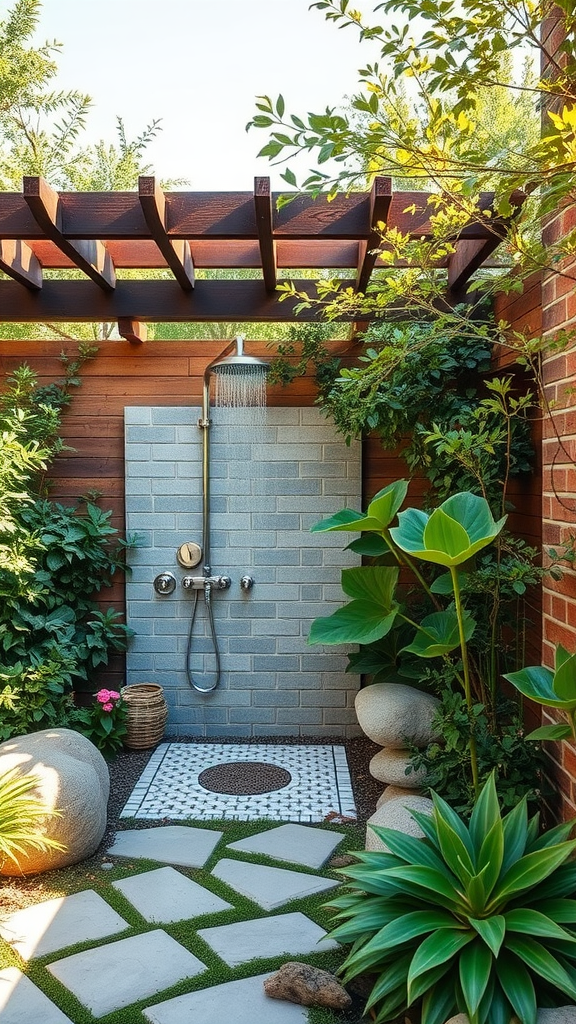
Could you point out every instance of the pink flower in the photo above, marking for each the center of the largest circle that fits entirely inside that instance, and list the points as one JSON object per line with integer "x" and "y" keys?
{"x": 114, "y": 695}
{"x": 103, "y": 696}
{"x": 107, "y": 707}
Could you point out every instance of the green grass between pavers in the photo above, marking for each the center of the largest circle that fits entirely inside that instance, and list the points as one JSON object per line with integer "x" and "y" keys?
{"x": 92, "y": 876}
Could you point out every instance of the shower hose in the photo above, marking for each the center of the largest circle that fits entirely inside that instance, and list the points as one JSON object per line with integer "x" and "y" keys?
{"x": 208, "y": 602}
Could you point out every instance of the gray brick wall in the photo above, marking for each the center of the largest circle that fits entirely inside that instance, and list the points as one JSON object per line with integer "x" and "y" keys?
{"x": 268, "y": 487}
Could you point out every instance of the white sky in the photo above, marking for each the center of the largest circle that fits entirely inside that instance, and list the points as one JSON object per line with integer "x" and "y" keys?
{"x": 198, "y": 65}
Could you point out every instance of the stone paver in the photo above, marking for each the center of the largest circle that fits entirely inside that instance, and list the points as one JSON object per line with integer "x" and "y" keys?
{"x": 21, "y": 1002}
{"x": 170, "y": 844}
{"x": 298, "y": 844}
{"x": 119, "y": 973}
{"x": 266, "y": 937}
{"x": 63, "y": 921}
{"x": 243, "y": 1002}
{"x": 164, "y": 895}
{"x": 269, "y": 887}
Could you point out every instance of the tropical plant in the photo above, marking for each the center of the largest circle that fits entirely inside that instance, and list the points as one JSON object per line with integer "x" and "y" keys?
{"x": 22, "y": 813}
{"x": 555, "y": 689}
{"x": 477, "y": 918}
{"x": 448, "y": 537}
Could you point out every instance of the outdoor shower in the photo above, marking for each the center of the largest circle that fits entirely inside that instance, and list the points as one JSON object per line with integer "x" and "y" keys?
{"x": 240, "y": 382}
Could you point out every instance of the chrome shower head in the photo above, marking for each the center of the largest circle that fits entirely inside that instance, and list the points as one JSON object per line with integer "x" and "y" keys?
{"x": 239, "y": 363}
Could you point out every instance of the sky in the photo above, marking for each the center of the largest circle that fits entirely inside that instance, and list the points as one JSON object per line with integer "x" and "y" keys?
{"x": 198, "y": 65}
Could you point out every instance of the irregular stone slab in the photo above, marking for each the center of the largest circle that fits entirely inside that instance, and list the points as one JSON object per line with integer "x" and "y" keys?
{"x": 73, "y": 779}
{"x": 241, "y": 1002}
{"x": 269, "y": 887}
{"x": 395, "y": 715}
{"x": 120, "y": 973}
{"x": 21, "y": 1002}
{"x": 396, "y": 814}
{"x": 170, "y": 844}
{"x": 266, "y": 937}
{"x": 63, "y": 921}
{"x": 164, "y": 896}
{"x": 298, "y": 844}
{"x": 390, "y": 766}
{"x": 308, "y": 986}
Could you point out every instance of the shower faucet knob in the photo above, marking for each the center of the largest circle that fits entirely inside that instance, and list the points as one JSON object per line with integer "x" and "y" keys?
{"x": 246, "y": 582}
{"x": 165, "y": 583}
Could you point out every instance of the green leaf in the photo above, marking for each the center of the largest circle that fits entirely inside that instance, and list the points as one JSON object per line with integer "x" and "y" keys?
{"x": 427, "y": 884}
{"x": 536, "y": 682}
{"x": 410, "y": 926}
{"x": 550, "y": 732}
{"x": 408, "y": 848}
{"x": 491, "y": 929}
{"x": 455, "y": 531}
{"x": 561, "y": 911}
{"x": 374, "y": 582}
{"x": 372, "y": 545}
{"x": 358, "y": 622}
{"x": 443, "y": 810}
{"x": 386, "y": 503}
{"x": 444, "y": 585}
{"x": 435, "y": 951}
{"x": 445, "y": 535}
{"x": 438, "y": 1004}
{"x": 393, "y": 978}
{"x": 491, "y": 857}
{"x": 475, "y": 968}
{"x": 565, "y": 677}
{"x": 439, "y": 634}
{"x": 345, "y": 519}
{"x": 532, "y": 922}
{"x": 530, "y": 870}
{"x": 486, "y": 812}
{"x": 517, "y": 987}
{"x": 515, "y": 829}
{"x": 542, "y": 963}
{"x": 454, "y": 851}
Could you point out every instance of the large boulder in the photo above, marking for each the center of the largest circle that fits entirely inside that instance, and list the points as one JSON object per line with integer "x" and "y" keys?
{"x": 391, "y": 766}
{"x": 395, "y": 814}
{"x": 396, "y": 715}
{"x": 73, "y": 779}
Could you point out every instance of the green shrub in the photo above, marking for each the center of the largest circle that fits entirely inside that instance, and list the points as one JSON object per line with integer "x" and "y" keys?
{"x": 21, "y": 817}
{"x": 478, "y": 919}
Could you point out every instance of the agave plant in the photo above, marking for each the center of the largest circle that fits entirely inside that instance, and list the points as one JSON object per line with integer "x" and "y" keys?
{"x": 21, "y": 815}
{"x": 474, "y": 918}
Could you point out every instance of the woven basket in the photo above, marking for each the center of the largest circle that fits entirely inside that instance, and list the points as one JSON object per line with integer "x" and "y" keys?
{"x": 147, "y": 714}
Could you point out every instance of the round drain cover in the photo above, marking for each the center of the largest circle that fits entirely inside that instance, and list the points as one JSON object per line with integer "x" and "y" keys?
{"x": 244, "y": 778}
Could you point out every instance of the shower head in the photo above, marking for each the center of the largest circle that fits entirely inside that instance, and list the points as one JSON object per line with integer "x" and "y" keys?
{"x": 239, "y": 363}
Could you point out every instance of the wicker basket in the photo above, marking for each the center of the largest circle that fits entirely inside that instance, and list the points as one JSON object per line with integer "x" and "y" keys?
{"x": 147, "y": 714}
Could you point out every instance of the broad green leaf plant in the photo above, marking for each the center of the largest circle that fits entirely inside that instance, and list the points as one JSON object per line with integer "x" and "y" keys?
{"x": 555, "y": 689}
{"x": 22, "y": 813}
{"x": 449, "y": 537}
{"x": 478, "y": 919}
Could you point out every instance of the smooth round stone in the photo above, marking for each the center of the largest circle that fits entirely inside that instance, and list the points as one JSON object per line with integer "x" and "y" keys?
{"x": 395, "y": 715}
{"x": 393, "y": 793}
{"x": 396, "y": 814}
{"x": 390, "y": 766}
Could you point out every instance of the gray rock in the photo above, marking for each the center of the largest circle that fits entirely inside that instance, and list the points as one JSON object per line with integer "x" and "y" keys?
{"x": 547, "y": 1015}
{"x": 390, "y": 765}
{"x": 308, "y": 986}
{"x": 396, "y": 715}
{"x": 73, "y": 779}
{"x": 394, "y": 793}
{"x": 396, "y": 814}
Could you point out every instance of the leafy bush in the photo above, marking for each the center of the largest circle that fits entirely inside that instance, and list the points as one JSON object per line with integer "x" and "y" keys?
{"x": 478, "y": 919}
{"x": 21, "y": 815}
{"x": 105, "y": 722}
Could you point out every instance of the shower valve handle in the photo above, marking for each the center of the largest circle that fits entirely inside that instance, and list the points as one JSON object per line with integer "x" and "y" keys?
{"x": 200, "y": 582}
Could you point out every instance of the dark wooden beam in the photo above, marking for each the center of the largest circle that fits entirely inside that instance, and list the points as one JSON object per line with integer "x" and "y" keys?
{"x": 380, "y": 200}
{"x": 132, "y": 330}
{"x": 223, "y": 215}
{"x": 90, "y": 256}
{"x": 154, "y": 301}
{"x": 470, "y": 254}
{"x": 175, "y": 251}
{"x": 19, "y": 262}
{"x": 264, "y": 225}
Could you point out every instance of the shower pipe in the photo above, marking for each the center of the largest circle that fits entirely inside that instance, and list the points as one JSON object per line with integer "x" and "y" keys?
{"x": 237, "y": 362}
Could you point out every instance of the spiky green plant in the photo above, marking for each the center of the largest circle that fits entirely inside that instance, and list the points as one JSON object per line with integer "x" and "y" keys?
{"x": 21, "y": 818}
{"x": 477, "y": 919}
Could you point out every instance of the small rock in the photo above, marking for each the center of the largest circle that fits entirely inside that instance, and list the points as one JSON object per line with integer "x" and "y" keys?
{"x": 308, "y": 986}
{"x": 390, "y": 766}
{"x": 396, "y": 715}
{"x": 342, "y": 862}
{"x": 396, "y": 814}
{"x": 106, "y": 865}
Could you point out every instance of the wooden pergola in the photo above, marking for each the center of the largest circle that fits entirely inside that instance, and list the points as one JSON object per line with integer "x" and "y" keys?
{"x": 98, "y": 232}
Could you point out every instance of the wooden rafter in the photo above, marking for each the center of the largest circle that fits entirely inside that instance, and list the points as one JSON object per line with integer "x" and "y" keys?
{"x": 470, "y": 254}
{"x": 19, "y": 262}
{"x": 88, "y": 255}
{"x": 264, "y": 225}
{"x": 132, "y": 330}
{"x": 159, "y": 301}
{"x": 176, "y": 251}
{"x": 380, "y": 200}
